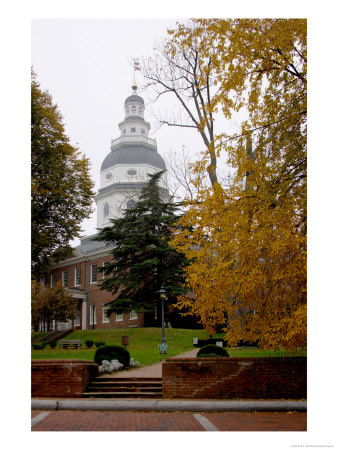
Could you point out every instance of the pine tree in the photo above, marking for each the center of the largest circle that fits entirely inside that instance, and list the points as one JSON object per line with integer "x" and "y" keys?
{"x": 142, "y": 259}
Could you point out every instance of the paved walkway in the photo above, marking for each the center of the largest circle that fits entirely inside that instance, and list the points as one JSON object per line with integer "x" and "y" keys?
{"x": 169, "y": 421}
{"x": 153, "y": 371}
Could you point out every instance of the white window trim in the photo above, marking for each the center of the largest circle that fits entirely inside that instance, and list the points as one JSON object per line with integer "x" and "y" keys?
{"x": 131, "y": 314}
{"x": 77, "y": 268}
{"x": 120, "y": 319}
{"x": 53, "y": 276}
{"x": 91, "y": 274}
{"x": 63, "y": 279}
{"x": 77, "y": 320}
{"x": 105, "y": 319}
{"x": 105, "y": 263}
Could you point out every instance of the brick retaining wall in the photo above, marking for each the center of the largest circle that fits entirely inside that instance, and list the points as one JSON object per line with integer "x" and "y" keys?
{"x": 234, "y": 378}
{"x": 61, "y": 378}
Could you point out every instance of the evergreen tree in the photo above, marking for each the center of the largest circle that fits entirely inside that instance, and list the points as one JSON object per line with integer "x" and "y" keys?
{"x": 143, "y": 260}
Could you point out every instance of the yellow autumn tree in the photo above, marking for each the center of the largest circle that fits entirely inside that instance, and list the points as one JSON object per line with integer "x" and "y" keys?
{"x": 247, "y": 242}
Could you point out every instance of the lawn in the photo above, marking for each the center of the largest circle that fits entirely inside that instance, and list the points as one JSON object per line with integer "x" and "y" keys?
{"x": 143, "y": 344}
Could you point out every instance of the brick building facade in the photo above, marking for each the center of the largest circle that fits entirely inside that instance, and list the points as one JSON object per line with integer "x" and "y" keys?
{"x": 81, "y": 275}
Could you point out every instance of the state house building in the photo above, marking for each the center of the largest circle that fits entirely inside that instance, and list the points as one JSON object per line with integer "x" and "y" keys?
{"x": 123, "y": 174}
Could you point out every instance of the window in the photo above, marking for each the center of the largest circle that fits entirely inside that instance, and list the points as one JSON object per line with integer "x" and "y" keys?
{"x": 53, "y": 280}
{"x": 104, "y": 265}
{"x": 133, "y": 315}
{"x": 65, "y": 279}
{"x": 131, "y": 204}
{"x": 131, "y": 172}
{"x": 105, "y": 319}
{"x": 133, "y": 130}
{"x": 92, "y": 314}
{"x": 77, "y": 276}
{"x": 118, "y": 317}
{"x": 140, "y": 111}
{"x": 133, "y": 109}
{"x": 77, "y": 320}
{"x": 143, "y": 130}
{"x": 108, "y": 176}
{"x": 93, "y": 273}
{"x": 124, "y": 131}
{"x": 42, "y": 283}
{"x": 106, "y": 210}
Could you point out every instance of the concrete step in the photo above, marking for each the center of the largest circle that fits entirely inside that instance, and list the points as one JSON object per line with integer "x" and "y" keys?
{"x": 111, "y": 387}
{"x": 126, "y": 383}
{"x": 93, "y": 387}
{"x": 108, "y": 394}
{"x": 104, "y": 379}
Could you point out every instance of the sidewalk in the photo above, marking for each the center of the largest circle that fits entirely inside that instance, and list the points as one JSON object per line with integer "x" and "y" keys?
{"x": 153, "y": 371}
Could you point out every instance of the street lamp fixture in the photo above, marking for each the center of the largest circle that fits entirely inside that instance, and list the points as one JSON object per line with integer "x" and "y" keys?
{"x": 162, "y": 346}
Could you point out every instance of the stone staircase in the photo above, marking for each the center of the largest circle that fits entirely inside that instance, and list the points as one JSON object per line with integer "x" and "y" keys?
{"x": 111, "y": 387}
{"x": 52, "y": 336}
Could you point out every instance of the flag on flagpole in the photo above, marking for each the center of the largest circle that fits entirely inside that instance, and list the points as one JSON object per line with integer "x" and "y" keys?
{"x": 136, "y": 65}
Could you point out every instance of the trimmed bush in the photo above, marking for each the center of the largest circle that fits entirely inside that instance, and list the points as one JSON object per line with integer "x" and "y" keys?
{"x": 212, "y": 350}
{"x": 39, "y": 345}
{"x": 53, "y": 344}
{"x": 110, "y": 352}
{"x": 99, "y": 344}
{"x": 89, "y": 343}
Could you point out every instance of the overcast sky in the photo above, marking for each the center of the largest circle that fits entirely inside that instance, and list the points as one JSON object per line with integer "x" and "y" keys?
{"x": 86, "y": 65}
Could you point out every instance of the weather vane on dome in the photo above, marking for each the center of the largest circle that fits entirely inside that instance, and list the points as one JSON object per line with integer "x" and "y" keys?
{"x": 136, "y": 66}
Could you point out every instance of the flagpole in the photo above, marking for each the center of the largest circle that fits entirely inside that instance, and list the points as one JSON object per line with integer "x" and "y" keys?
{"x": 136, "y": 67}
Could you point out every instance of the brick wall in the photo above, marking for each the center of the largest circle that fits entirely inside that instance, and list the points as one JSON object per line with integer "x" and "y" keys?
{"x": 61, "y": 378}
{"x": 234, "y": 378}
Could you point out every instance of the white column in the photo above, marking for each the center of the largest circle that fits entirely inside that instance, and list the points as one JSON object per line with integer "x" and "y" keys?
{"x": 84, "y": 314}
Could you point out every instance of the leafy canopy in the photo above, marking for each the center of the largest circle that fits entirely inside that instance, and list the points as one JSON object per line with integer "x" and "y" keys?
{"x": 142, "y": 258}
{"x": 50, "y": 304}
{"x": 62, "y": 190}
{"x": 248, "y": 241}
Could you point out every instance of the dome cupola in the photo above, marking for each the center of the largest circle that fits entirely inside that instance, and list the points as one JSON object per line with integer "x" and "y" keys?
{"x": 124, "y": 171}
{"x": 134, "y": 104}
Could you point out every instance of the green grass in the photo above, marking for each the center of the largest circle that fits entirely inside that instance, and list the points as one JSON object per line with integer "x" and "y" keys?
{"x": 260, "y": 352}
{"x": 143, "y": 344}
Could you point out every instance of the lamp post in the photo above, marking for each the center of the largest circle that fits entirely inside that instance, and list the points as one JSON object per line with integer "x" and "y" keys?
{"x": 163, "y": 346}
{"x": 93, "y": 319}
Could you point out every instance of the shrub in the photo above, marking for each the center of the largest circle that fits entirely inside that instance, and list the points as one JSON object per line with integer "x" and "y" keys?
{"x": 110, "y": 352}
{"x": 39, "y": 345}
{"x": 212, "y": 350}
{"x": 53, "y": 344}
{"x": 99, "y": 344}
{"x": 89, "y": 343}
